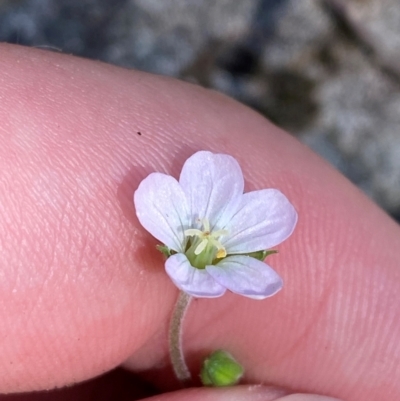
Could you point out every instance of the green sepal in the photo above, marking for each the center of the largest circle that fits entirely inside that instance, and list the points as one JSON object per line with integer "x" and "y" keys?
{"x": 220, "y": 369}
{"x": 261, "y": 255}
{"x": 167, "y": 252}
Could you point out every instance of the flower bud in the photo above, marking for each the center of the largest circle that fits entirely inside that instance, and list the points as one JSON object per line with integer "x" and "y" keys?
{"x": 220, "y": 369}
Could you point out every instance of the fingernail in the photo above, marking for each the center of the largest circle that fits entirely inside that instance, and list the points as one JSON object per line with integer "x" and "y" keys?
{"x": 242, "y": 392}
{"x": 261, "y": 393}
{"x": 306, "y": 397}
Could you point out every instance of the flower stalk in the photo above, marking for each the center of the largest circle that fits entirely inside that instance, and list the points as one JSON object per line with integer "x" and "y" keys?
{"x": 181, "y": 370}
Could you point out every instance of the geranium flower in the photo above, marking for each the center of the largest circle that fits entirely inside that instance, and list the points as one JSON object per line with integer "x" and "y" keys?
{"x": 211, "y": 228}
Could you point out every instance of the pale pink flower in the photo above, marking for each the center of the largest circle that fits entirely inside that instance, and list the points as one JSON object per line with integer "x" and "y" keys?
{"x": 211, "y": 227}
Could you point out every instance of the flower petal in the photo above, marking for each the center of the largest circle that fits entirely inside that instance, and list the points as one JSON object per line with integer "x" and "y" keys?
{"x": 195, "y": 282}
{"x": 213, "y": 184}
{"x": 246, "y": 276}
{"x": 264, "y": 219}
{"x": 161, "y": 208}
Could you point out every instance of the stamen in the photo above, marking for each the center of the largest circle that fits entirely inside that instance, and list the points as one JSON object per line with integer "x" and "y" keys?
{"x": 218, "y": 233}
{"x": 206, "y": 225}
{"x": 221, "y": 253}
{"x": 200, "y": 248}
{"x": 192, "y": 232}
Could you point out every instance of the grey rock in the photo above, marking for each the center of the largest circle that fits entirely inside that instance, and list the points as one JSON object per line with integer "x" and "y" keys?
{"x": 357, "y": 98}
{"x": 167, "y": 36}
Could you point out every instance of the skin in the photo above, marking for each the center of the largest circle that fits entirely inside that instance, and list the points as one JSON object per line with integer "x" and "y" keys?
{"x": 82, "y": 289}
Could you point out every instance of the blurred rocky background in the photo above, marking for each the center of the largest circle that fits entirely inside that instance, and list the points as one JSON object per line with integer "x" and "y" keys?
{"x": 326, "y": 70}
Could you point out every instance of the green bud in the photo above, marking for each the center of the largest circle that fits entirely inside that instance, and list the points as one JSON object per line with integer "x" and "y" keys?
{"x": 220, "y": 369}
{"x": 261, "y": 255}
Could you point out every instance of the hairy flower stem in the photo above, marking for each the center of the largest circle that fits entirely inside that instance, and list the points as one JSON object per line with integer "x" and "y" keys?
{"x": 175, "y": 338}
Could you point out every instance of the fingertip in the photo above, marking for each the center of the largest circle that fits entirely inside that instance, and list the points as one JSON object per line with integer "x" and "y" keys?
{"x": 307, "y": 397}
{"x": 235, "y": 393}
{"x": 239, "y": 393}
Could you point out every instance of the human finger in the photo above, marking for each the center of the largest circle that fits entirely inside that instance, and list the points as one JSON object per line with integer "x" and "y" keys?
{"x": 83, "y": 288}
